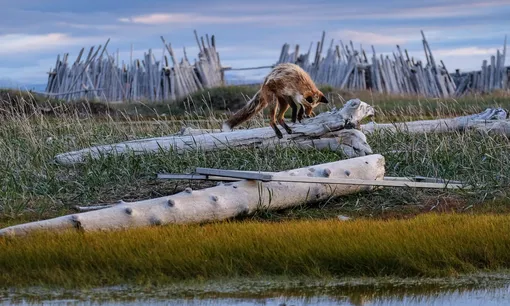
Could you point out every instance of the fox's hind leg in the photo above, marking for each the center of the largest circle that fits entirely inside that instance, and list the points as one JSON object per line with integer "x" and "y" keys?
{"x": 272, "y": 117}
{"x": 283, "y": 106}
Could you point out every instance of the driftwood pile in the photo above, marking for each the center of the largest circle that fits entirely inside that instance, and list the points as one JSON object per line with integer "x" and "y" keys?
{"x": 492, "y": 77}
{"x": 101, "y": 76}
{"x": 352, "y": 69}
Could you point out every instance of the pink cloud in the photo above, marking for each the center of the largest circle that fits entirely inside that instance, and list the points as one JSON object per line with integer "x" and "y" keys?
{"x": 19, "y": 43}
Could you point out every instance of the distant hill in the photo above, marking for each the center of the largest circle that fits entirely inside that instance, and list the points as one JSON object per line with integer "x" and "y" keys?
{"x": 7, "y": 83}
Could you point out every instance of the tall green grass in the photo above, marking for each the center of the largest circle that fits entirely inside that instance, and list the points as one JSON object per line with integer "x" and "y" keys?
{"x": 428, "y": 245}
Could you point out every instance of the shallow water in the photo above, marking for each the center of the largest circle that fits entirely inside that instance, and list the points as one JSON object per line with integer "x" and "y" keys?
{"x": 482, "y": 289}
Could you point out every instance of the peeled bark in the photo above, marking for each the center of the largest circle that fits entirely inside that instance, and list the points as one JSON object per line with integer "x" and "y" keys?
{"x": 220, "y": 202}
{"x": 323, "y": 131}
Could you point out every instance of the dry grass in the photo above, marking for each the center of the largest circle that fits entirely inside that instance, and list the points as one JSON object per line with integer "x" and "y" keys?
{"x": 428, "y": 245}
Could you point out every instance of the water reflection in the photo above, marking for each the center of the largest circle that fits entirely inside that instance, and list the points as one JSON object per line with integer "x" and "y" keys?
{"x": 461, "y": 291}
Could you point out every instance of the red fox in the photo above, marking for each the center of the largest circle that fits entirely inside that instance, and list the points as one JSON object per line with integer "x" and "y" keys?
{"x": 292, "y": 87}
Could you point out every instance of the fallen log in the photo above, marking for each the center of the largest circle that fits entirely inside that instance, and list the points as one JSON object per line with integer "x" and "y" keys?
{"x": 221, "y": 202}
{"x": 326, "y": 130}
{"x": 491, "y": 120}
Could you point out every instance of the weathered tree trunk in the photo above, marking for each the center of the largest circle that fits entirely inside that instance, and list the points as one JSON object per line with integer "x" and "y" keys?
{"x": 220, "y": 202}
{"x": 490, "y": 120}
{"x": 324, "y": 130}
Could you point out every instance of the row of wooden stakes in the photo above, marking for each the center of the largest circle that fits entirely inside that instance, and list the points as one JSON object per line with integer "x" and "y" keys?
{"x": 345, "y": 67}
{"x": 100, "y": 76}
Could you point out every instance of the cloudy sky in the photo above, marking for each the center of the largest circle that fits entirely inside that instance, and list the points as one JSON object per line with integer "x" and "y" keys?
{"x": 248, "y": 33}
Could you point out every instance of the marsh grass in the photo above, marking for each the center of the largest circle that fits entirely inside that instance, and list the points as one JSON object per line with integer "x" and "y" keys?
{"x": 312, "y": 242}
{"x": 428, "y": 245}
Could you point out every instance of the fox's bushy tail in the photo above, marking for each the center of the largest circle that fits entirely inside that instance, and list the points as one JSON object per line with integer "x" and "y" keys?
{"x": 249, "y": 110}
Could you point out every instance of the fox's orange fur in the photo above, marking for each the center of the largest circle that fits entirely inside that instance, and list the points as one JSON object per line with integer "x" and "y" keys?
{"x": 287, "y": 85}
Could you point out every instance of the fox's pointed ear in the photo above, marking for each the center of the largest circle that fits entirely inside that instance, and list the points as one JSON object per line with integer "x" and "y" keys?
{"x": 324, "y": 99}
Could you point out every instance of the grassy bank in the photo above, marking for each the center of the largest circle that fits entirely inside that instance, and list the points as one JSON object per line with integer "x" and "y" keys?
{"x": 428, "y": 245}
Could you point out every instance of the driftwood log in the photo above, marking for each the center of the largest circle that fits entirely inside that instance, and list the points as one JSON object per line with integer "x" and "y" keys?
{"x": 326, "y": 130}
{"x": 220, "y": 202}
{"x": 492, "y": 120}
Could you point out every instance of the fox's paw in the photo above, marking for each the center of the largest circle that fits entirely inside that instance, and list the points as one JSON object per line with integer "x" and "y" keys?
{"x": 278, "y": 133}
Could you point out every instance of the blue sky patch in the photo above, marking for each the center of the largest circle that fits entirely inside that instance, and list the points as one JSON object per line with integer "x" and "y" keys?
{"x": 33, "y": 33}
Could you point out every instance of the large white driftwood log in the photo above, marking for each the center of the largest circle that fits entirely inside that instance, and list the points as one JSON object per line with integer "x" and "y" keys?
{"x": 326, "y": 130}
{"x": 491, "y": 120}
{"x": 220, "y": 202}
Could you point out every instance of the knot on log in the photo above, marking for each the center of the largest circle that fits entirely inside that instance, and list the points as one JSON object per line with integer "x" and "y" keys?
{"x": 171, "y": 202}
{"x": 76, "y": 221}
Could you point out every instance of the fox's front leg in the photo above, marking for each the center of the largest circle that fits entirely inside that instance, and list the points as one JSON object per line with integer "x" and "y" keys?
{"x": 294, "y": 110}
{"x": 301, "y": 113}
{"x": 299, "y": 102}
